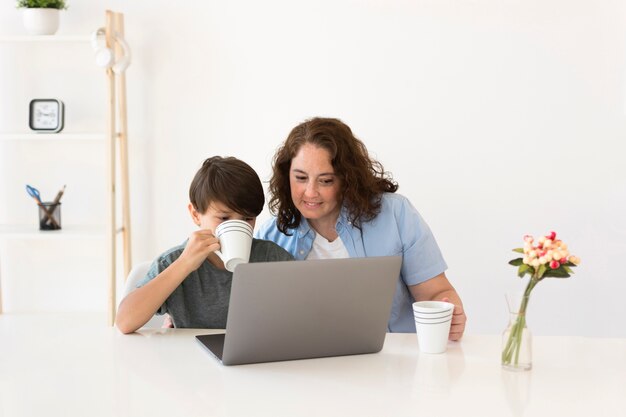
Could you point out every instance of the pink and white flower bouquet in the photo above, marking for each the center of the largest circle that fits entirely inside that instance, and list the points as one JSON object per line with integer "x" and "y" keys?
{"x": 547, "y": 257}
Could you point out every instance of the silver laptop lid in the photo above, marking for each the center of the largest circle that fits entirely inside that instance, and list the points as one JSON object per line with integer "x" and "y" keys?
{"x": 308, "y": 309}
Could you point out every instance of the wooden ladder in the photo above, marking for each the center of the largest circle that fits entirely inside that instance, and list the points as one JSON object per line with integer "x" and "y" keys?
{"x": 117, "y": 137}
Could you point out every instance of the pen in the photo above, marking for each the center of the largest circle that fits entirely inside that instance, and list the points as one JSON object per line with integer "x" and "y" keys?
{"x": 54, "y": 203}
{"x": 59, "y": 195}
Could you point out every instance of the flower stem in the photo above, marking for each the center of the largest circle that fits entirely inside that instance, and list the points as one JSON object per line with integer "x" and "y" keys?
{"x": 510, "y": 353}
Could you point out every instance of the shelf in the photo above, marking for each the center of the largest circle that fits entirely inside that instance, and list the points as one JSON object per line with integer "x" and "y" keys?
{"x": 57, "y": 53}
{"x": 29, "y": 231}
{"x": 80, "y": 137}
{"x": 45, "y": 38}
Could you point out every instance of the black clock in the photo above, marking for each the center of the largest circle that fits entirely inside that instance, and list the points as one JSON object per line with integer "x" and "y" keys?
{"x": 46, "y": 115}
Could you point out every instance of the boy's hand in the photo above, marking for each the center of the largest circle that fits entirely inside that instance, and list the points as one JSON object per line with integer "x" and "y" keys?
{"x": 201, "y": 243}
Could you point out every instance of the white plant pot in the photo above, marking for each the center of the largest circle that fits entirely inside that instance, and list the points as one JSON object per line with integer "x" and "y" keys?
{"x": 41, "y": 21}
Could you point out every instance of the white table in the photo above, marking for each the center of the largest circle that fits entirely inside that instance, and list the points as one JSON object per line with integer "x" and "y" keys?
{"x": 73, "y": 365}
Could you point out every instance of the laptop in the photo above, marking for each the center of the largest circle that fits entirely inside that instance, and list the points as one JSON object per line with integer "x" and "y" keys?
{"x": 290, "y": 310}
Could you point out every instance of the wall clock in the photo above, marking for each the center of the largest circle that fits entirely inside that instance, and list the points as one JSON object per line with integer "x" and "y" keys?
{"x": 46, "y": 115}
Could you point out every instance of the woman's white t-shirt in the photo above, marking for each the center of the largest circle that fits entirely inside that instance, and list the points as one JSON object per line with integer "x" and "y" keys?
{"x": 323, "y": 249}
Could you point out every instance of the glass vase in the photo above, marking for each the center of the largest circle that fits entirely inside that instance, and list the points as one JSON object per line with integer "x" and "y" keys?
{"x": 516, "y": 338}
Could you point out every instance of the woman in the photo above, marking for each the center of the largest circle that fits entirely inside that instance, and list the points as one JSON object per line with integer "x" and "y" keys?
{"x": 330, "y": 200}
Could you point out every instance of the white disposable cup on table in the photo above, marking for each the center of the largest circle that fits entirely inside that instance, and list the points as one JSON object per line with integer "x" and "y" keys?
{"x": 432, "y": 325}
{"x": 235, "y": 238}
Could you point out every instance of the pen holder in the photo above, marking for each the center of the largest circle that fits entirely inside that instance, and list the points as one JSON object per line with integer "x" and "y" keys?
{"x": 49, "y": 216}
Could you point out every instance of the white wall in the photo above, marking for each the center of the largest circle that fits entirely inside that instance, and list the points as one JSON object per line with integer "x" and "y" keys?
{"x": 497, "y": 118}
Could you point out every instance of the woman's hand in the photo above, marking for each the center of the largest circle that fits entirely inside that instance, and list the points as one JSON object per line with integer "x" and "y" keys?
{"x": 457, "y": 327}
{"x": 439, "y": 288}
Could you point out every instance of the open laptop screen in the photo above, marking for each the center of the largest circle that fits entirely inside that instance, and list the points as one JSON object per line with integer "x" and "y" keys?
{"x": 307, "y": 309}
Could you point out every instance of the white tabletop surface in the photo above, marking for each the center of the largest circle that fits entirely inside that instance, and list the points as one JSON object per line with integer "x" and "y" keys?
{"x": 73, "y": 365}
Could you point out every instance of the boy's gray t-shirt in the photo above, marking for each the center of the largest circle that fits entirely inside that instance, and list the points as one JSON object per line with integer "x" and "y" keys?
{"x": 201, "y": 301}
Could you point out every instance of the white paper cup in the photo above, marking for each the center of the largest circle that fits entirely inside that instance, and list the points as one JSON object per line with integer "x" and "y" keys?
{"x": 448, "y": 316}
{"x": 440, "y": 315}
{"x": 236, "y": 241}
{"x": 432, "y": 307}
{"x": 432, "y": 325}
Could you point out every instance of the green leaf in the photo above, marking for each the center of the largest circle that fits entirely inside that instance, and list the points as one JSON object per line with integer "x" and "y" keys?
{"x": 556, "y": 273}
{"x": 518, "y": 250}
{"x": 516, "y": 262}
{"x": 567, "y": 268}
{"x": 522, "y": 270}
{"x": 44, "y": 4}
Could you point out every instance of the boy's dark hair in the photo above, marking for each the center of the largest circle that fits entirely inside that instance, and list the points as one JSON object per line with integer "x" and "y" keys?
{"x": 229, "y": 181}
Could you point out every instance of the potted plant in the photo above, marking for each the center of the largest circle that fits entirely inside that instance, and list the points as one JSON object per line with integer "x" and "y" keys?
{"x": 41, "y": 17}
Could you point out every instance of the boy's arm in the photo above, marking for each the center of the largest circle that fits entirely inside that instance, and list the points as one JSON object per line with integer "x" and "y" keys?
{"x": 140, "y": 305}
{"x": 137, "y": 307}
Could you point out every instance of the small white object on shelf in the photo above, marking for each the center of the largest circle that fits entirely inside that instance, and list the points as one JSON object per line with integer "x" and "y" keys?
{"x": 40, "y": 21}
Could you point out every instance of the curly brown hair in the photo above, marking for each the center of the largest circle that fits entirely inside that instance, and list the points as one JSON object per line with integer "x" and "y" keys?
{"x": 363, "y": 179}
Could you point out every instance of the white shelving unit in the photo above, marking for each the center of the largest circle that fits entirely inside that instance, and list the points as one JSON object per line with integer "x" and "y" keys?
{"x": 72, "y": 137}
{"x": 29, "y": 231}
{"x": 29, "y": 153}
{"x": 45, "y": 38}
{"x": 39, "y": 67}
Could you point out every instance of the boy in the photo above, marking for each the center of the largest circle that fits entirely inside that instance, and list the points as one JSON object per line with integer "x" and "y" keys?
{"x": 190, "y": 281}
